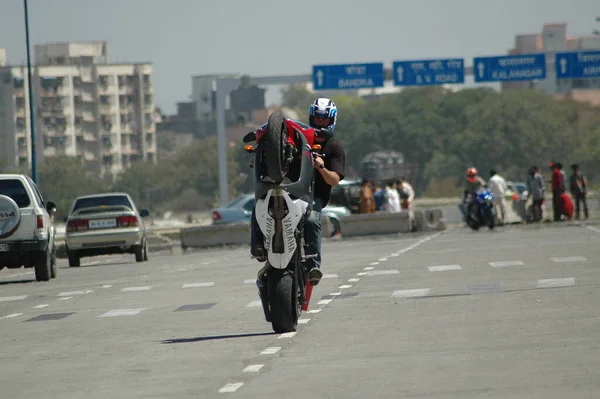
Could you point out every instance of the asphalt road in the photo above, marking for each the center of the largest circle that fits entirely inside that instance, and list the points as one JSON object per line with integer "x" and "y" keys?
{"x": 512, "y": 313}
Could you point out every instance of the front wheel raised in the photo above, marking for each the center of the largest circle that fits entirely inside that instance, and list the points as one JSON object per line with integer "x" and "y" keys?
{"x": 274, "y": 147}
{"x": 283, "y": 303}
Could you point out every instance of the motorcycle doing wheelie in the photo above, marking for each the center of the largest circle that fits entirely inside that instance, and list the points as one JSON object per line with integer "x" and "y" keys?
{"x": 282, "y": 207}
{"x": 481, "y": 210}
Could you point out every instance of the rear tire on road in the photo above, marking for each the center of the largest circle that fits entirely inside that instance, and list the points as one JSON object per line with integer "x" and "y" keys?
{"x": 43, "y": 265}
{"x": 53, "y": 268}
{"x": 282, "y": 300}
{"x": 74, "y": 260}
{"x": 141, "y": 252}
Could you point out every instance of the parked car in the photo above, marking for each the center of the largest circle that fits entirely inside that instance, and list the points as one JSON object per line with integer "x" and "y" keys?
{"x": 240, "y": 211}
{"x": 103, "y": 224}
{"x": 26, "y": 227}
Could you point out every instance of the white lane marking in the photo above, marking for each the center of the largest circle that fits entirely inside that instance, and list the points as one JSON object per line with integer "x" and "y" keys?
{"x": 231, "y": 387}
{"x": 343, "y": 287}
{"x": 197, "y": 285}
{"x": 382, "y": 272}
{"x": 12, "y": 298}
{"x": 106, "y": 286}
{"x": 353, "y": 280}
{"x": 253, "y": 368}
{"x": 16, "y": 275}
{"x": 314, "y": 311}
{"x": 287, "y": 335}
{"x": 394, "y": 255}
{"x": 361, "y": 274}
{"x": 444, "y": 268}
{"x": 569, "y": 259}
{"x": 556, "y": 282}
{"x": 411, "y": 293}
{"x": 250, "y": 281}
{"x": 330, "y": 276}
{"x": 507, "y": 263}
{"x": 254, "y": 304}
{"x": 131, "y": 289}
{"x": 122, "y": 312}
{"x": 335, "y": 294}
{"x": 421, "y": 241}
{"x": 368, "y": 268}
{"x": 40, "y": 306}
{"x": 271, "y": 350}
{"x": 303, "y": 321}
{"x": 374, "y": 263}
{"x": 324, "y": 301}
{"x": 70, "y": 293}
{"x": 382, "y": 259}
{"x": 65, "y": 298}
{"x": 597, "y": 230}
{"x": 10, "y": 316}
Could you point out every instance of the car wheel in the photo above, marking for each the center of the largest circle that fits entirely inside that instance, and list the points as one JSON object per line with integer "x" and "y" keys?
{"x": 139, "y": 252}
{"x": 53, "y": 267}
{"x": 74, "y": 260}
{"x": 42, "y": 265}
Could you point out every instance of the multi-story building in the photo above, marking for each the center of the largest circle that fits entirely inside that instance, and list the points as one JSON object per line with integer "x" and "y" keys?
{"x": 554, "y": 39}
{"x": 85, "y": 106}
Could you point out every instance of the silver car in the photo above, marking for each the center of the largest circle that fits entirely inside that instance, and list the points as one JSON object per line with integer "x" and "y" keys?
{"x": 240, "y": 211}
{"x": 103, "y": 224}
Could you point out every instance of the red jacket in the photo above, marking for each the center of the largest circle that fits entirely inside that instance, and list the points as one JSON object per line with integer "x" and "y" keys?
{"x": 567, "y": 205}
{"x": 557, "y": 180}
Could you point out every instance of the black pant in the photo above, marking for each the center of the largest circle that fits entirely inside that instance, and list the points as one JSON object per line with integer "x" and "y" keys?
{"x": 312, "y": 234}
{"x": 537, "y": 210}
{"x": 556, "y": 205}
{"x": 583, "y": 199}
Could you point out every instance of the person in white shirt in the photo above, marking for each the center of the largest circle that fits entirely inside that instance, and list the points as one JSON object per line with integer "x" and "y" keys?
{"x": 407, "y": 193}
{"x": 497, "y": 186}
{"x": 392, "y": 203}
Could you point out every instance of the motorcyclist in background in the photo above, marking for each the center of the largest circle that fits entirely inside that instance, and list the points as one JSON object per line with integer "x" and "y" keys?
{"x": 330, "y": 170}
{"x": 472, "y": 183}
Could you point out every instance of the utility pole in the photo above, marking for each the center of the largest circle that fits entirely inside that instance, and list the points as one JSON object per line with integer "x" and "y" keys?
{"x": 31, "y": 105}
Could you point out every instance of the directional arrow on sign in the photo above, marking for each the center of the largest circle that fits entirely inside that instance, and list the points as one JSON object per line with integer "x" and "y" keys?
{"x": 320, "y": 77}
{"x": 480, "y": 68}
{"x": 563, "y": 65}
{"x": 400, "y": 73}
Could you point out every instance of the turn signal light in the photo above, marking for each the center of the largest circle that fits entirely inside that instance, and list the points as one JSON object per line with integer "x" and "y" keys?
{"x": 248, "y": 148}
{"x": 316, "y": 147}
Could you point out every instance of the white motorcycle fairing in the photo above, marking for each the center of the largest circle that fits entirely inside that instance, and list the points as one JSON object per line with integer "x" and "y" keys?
{"x": 296, "y": 208}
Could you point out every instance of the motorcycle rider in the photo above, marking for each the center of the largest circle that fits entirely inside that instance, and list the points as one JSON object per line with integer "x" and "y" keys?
{"x": 329, "y": 172}
{"x": 472, "y": 183}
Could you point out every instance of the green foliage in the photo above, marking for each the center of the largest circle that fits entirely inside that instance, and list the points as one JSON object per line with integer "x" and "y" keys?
{"x": 446, "y": 132}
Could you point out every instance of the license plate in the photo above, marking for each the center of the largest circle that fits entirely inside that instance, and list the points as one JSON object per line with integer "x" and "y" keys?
{"x": 4, "y": 247}
{"x": 102, "y": 223}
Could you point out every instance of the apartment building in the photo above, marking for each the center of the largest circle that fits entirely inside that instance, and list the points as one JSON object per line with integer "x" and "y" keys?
{"x": 85, "y": 107}
{"x": 551, "y": 40}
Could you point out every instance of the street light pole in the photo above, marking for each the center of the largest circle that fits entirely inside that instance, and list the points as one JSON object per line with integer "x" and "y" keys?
{"x": 30, "y": 89}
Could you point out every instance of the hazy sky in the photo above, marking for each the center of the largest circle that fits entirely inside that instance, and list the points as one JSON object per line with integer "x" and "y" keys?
{"x": 263, "y": 37}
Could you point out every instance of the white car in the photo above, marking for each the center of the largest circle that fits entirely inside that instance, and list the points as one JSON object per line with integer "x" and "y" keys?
{"x": 103, "y": 224}
{"x": 26, "y": 228}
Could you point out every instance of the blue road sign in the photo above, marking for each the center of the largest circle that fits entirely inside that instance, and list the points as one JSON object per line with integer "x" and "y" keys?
{"x": 577, "y": 65}
{"x": 428, "y": 72}
{"x": 509, "y": 68}
{"x": 347, "y": 76}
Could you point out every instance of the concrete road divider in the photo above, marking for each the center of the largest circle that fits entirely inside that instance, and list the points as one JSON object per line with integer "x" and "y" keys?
{"x": 351, "y": 226}
{"x": 208, "y": 236}
{"x": 428, "y": 220}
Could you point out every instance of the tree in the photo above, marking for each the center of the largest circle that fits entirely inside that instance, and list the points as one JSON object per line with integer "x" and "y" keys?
{"x": 64, "y": 178}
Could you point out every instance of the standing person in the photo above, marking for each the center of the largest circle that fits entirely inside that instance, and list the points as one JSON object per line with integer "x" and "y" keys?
{"x": 557, "y": 189}
{"x": 392, "y": 199}
{"x": 367, "y": 200}
{"x": 407, "y": 193}
{"x": 379, "y": 197}
{"x": 578, "y": 185}
{"x": 536, "y": 190}
{"x": 497, "y": 186}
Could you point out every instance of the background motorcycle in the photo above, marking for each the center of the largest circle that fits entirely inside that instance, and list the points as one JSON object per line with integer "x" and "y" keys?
{"x": 481, "y": 210}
